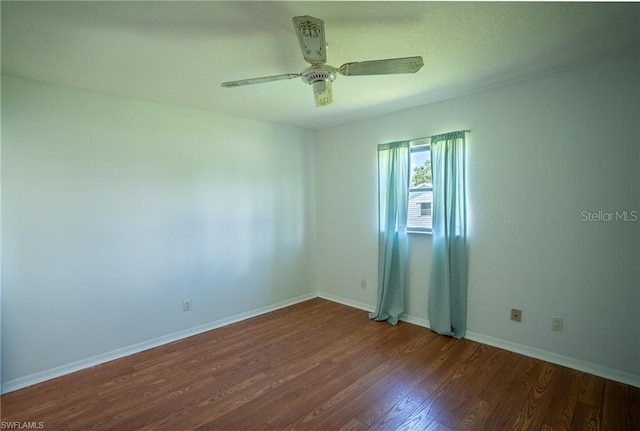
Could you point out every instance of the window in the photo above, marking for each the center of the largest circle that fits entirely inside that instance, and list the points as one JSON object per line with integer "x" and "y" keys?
{"x": 425, "y": 209}
{"x": 419, "y": 215}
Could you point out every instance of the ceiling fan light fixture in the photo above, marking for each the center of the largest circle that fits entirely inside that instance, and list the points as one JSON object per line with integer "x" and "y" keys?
{"x": 322, "y": 92}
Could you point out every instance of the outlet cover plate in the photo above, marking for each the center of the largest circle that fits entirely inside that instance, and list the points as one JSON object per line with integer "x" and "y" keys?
{"x": 186, "y": 305}
{"x": 556, "y": 324}
{"x": 516, "y": 314}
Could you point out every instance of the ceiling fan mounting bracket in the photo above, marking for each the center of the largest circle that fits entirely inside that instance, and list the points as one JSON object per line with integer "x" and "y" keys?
{"x": 320, "y": 72}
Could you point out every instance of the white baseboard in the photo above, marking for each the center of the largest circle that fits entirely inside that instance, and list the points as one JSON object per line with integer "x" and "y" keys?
{"x": 32, "y": 379}
{"x": 554, "y": 358}
{"x": 415, "y": 320}
{"x": 370, "y": 308}
{"x": 346, "y": 301}
{"x": 544, "y": 355}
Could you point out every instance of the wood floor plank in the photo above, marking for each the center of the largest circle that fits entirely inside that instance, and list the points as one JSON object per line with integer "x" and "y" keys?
{"x": 616, "y": 411}
{"x": 441, "y": 369}
{"x": 586, "y": 417}
{"x": 466, "y": 384}
{"x": 635, "y": 407}
{"x": 560, "y": 411}
{"x": 395, "y": 377}
{"x": 342, "y": 405}
{"x": 303, "y": 403}
{"x": 431, "y": 391}
{"x": 319, "y": 365}
{"x": 538, "y": 399}
{"x": 278, "y": 400}
{"x": 474, "y": 416}
{"x": 353, "y": 425}
{"x": 420, "y": 420}
{"x": 510, "y": 393}
{"x": 591, "y": 390}
{"x": 422, "y": 352}
{"x": 393, "y": 418}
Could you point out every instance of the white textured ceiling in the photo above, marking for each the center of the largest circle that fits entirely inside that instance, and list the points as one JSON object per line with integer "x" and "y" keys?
{"x": 179, "y": 52}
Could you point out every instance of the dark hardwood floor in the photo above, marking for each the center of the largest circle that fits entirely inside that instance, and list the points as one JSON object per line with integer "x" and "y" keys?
{"x": 319, "y": 365}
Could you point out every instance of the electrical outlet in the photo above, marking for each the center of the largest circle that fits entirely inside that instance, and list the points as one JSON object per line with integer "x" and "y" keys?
{"x": 516, "y": 315}
{"x": 556, "y": 324}
{"x": 186, "y": 305}
{"x": 363, "y": 283}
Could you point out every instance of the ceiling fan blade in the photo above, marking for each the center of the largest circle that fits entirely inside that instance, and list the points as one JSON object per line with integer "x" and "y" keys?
{"x": 382, "y": 67}
{"x": 310, "y": 32}
{"x": 241, "y": 82}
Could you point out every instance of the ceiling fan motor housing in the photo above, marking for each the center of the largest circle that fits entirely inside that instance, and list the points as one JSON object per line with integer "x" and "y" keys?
{"x": 320, "y": 76}
{"x": 322, "y": 72}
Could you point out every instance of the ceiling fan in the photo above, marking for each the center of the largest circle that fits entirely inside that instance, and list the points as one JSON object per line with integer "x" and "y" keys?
{"x": 310, "y": 32}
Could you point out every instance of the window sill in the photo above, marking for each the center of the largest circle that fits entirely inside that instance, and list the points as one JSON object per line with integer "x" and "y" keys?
{"x": 419, "y": 231}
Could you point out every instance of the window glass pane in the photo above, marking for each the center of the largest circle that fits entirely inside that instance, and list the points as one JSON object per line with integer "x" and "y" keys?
{"x": 419, "y": 211}
{"x": 421, "y": 168}
{"x": 420, "y": 184}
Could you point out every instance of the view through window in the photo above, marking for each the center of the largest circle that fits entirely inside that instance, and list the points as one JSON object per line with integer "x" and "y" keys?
{"x": 419, "y": 215}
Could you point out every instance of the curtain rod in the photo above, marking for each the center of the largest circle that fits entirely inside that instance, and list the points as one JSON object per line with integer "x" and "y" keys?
{"x": 429, "y": 137}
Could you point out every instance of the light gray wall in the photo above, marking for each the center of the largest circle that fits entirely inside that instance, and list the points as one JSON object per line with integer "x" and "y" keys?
{"x": 115, "y": 209}
{"x": 541, "y": 152}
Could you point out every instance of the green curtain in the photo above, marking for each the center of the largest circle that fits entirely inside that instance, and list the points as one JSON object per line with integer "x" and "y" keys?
{"x": 393, "y": 195}
{"x": 448, "y": 280}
